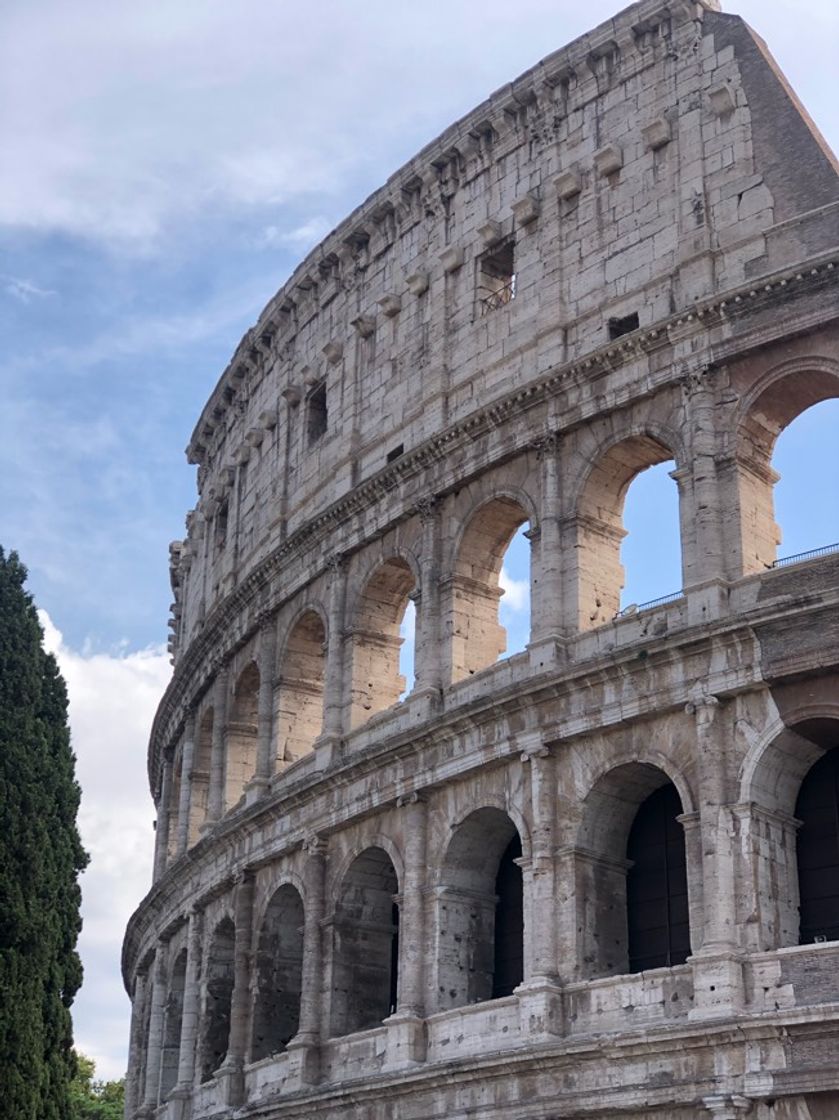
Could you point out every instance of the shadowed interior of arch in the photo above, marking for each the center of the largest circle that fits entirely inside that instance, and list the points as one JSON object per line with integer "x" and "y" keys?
{"x": 279, "y": 974}
{"x": 480, "y": 916}
{"x": 634, "y": 917}
{"x": 366, "y": 945}
{"x": 479, "y": 581}
{"x": 817, "y": 808}
{"x": 172, "y": 1025}
{"x": 218, "y": 997}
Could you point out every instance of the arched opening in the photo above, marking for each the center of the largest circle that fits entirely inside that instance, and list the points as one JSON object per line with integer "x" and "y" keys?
{"x": 173, "y": 1021}
{"x": 366, "y": 948}
{"x": 218, "y": 997}
{"x": 658, "y": 924}
{"x": 808, "y": 456}
{"x": 242, "y": 728}
{"x": 279, "y": 974}
{"x": 806, "y": 462}
{"x": 479, "y": 580}
{"x": 601, "y": 529}
{"x": 174, "y": 808}
{"x": 480, "y": 921}
{"x": 200, "y": 778}
{"x": 631, "y": 874}
{"x": 651, "y": 551}
{"x": 817, "y": 808}
{"x": 376, "y": 680}
{"x": 300, "y": 715}
{"x": 143, "y": 1048}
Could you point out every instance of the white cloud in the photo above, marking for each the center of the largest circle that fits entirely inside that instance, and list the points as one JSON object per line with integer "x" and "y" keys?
{"x": 301, "y": 238}
{"x": 113, "y": 697}
{"x": 24, "y": 290}
{"x": 516, "y": 592}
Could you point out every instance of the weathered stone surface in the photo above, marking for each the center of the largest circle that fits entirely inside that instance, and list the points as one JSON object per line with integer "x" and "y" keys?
{"x": 626, "y": 257}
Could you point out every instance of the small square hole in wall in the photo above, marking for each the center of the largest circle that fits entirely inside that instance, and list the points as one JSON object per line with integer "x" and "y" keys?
{"x": 626, "y": 324}
{"x": 497, "y": 278}
{"x": 396, "y": 452}
{"x": 316, "y": 414}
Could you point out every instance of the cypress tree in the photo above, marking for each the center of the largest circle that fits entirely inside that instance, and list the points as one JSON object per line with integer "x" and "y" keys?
{"x": 40, "y": 860}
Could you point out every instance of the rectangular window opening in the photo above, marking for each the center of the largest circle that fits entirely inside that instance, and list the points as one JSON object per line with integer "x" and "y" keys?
{"x": 625, "y": 324}
{"x": 396, "y": 452}
{"x": 497, "y": 278}
{"x": 316, "y": 413}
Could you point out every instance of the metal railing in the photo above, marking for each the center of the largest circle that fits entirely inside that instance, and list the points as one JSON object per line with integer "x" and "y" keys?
{"x": 499, "y": 298}
{"x": 825, "y": 550}
{"x": 636, "y": 608}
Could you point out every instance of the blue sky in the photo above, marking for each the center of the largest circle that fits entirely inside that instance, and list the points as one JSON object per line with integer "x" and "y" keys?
{"x": 165, "y": 167}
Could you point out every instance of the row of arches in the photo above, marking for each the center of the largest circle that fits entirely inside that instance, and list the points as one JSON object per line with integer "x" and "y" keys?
{"x": 458, "y": 623}
{"x": 632, "y": 880}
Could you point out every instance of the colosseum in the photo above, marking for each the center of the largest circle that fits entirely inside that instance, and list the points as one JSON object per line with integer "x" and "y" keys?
{"x": 597, "y": 878}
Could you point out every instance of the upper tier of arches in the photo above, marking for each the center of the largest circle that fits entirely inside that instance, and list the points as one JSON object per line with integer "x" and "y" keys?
{"x": 328, "y": 659}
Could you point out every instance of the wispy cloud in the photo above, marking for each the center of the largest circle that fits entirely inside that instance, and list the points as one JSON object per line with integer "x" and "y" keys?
{"x": 25, "y": 291}
{"x": 113, "y": 696}
{"x": 300, "y": 238}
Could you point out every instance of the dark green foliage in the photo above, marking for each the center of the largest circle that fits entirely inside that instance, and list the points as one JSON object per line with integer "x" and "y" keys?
{"x": 95, "y": 1100}
{"x": 40, "y": 859}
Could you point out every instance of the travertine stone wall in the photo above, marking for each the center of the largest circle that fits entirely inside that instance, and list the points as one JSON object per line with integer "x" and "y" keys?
{"x": 614, "y": 262}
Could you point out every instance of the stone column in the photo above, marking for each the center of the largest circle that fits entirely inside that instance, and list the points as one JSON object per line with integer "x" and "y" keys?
{"x": 428, "y": 661}
{"x": 718, "y": 971}
{"x": 406, "y": 1042}
{"x": 161, "y": 846}
{"x": 185, "y": 803}
{"x": 540, "y": 998}
{"x": 304, "y": 1047}
{"x": 215, "y": 799}
{"x": 154, "y": 1046}
{"x": 266, "y": 754}
{"x": 133, "y": 1089}
{"x": 546, "y": 608}
{"x": 703, "y": 559}
{"x": 231, "y": 1074}
{"x": 191, "y": 1016}
{"x": 333, "y": 714}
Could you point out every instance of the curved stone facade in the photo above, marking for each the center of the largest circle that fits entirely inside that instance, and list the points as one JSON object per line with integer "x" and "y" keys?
{"x": 570, "y": 882}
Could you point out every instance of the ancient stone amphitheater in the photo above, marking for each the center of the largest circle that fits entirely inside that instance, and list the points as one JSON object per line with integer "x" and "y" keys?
{"x": 598, "y": 878}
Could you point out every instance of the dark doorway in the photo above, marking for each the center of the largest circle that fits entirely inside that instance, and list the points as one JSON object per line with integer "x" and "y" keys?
{"x": 818, "y": 851}
{"x": 508, "y": 971}
{"x": 656, "y": 886}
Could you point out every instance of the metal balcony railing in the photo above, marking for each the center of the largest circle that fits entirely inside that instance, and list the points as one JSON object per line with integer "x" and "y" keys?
{"x": 825, "y": 550}
{"x": 636, "y": 608}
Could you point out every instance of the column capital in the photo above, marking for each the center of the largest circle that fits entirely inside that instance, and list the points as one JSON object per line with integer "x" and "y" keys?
{"x": 416, "y": 797}
{"x": 336, "y": 564}
{"x": 532, "y": 745}
{"x": 547, "y": 444}
{"x": 426, "y": 507}
{"x": 727, "y": 1106}
{"x": 704, "y": 706}
{"x": 314, "y": 845}
{"x": 697, "y": 378}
